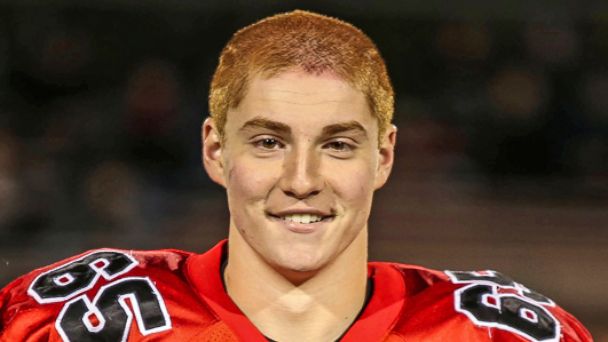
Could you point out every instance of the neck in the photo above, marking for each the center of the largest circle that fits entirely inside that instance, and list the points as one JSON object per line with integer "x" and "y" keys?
{"x": 319, "y": 305}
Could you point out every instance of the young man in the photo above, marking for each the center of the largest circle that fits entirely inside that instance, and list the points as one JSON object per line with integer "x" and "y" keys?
{"x": 300, "y": 137}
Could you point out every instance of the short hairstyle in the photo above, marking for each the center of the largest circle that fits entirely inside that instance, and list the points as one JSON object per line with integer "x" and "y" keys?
{"x": 311, "y": 42}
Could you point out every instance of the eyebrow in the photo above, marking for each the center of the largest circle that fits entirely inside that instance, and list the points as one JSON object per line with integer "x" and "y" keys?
{"x": 279, "y": 127}
{"x": 344, "y": 127}
{"x": 259, "y": 122}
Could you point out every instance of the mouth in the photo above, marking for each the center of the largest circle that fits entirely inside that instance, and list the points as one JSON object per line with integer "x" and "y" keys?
{"x": 301, "y": 222}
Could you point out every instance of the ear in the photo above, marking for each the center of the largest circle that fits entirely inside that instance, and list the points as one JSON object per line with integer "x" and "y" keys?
{"x": 386, "y": 153}
{"x": 212, "y": 152}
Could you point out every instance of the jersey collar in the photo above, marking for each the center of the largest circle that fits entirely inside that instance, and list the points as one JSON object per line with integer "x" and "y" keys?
{"x": 384, "y": 308}
{"x": 374, "y": 323}
{"x": 203, "y": 271}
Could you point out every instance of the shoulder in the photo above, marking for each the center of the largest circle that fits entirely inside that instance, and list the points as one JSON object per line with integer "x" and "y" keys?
{"x": 479, "y": 306}
{"x": 78, "y": 274}
{"x": 53, "y": 302}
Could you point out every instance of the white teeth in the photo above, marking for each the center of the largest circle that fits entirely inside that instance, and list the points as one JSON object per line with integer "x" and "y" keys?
{"x": 302, "y": 218}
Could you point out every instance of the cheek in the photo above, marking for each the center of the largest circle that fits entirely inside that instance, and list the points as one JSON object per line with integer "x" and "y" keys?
{"x": 355, "y": 186}
{"x": 247, "y": 181}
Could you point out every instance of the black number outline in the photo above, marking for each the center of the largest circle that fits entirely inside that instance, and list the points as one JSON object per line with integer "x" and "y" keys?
{"x": 494, "y": 278}
{"x": 135, "y": 305}
{"x": 498, "y": 296}
{"x": 99, "y": 272}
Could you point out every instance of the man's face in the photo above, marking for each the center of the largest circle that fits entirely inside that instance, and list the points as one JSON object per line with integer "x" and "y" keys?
{"x": 300, "y": 162}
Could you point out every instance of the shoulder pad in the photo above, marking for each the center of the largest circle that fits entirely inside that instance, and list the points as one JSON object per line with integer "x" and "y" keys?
{"x": 85, "y": 289}
{"x": 494, "y": 301}
{"x": 478, "y": 306}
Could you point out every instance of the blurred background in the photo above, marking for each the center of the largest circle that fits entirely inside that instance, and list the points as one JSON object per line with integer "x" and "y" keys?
{"x": 502, "y": 109}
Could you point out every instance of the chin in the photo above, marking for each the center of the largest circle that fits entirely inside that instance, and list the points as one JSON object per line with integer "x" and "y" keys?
{"x": 294, "y": 261}
{"x": 297, "y": 274}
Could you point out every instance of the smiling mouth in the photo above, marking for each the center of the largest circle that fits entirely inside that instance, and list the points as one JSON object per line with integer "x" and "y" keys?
{"x": 302, "y": 218}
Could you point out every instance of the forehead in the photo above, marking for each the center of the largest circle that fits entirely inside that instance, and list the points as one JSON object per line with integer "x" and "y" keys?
{"x": 303, "y": 100}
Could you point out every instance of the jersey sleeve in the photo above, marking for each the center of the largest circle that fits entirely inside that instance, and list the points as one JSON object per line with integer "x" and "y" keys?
{"x": 506, "y": 310}
{"x": 479, "y": 306}
{"x": 21, "y": 317}
{"x": 106, "y": 295}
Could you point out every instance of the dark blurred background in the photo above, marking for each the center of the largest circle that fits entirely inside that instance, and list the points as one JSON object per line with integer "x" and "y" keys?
{"x": 502, "y": 109}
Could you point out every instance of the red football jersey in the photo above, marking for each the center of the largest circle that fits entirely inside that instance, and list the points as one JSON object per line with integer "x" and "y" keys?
{"x": 171, "y": 295}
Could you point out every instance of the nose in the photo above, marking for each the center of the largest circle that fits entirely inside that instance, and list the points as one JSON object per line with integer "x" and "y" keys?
{"x": 301, "y": 177}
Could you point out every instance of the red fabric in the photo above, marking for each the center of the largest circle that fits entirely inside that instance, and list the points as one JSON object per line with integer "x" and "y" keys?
{"x": 409, "y": 303}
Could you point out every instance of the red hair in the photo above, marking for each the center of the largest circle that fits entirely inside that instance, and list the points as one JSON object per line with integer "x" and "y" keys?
{"x": 312, "y": 42}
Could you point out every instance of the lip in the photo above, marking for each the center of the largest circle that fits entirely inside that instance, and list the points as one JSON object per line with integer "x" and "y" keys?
{"x": 301, "y": 228}
{"x": 300, "y": 211}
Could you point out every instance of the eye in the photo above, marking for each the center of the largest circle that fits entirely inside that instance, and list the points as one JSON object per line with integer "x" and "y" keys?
{"x": 268, "y": 144}
{"x": 339, "y": 146}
